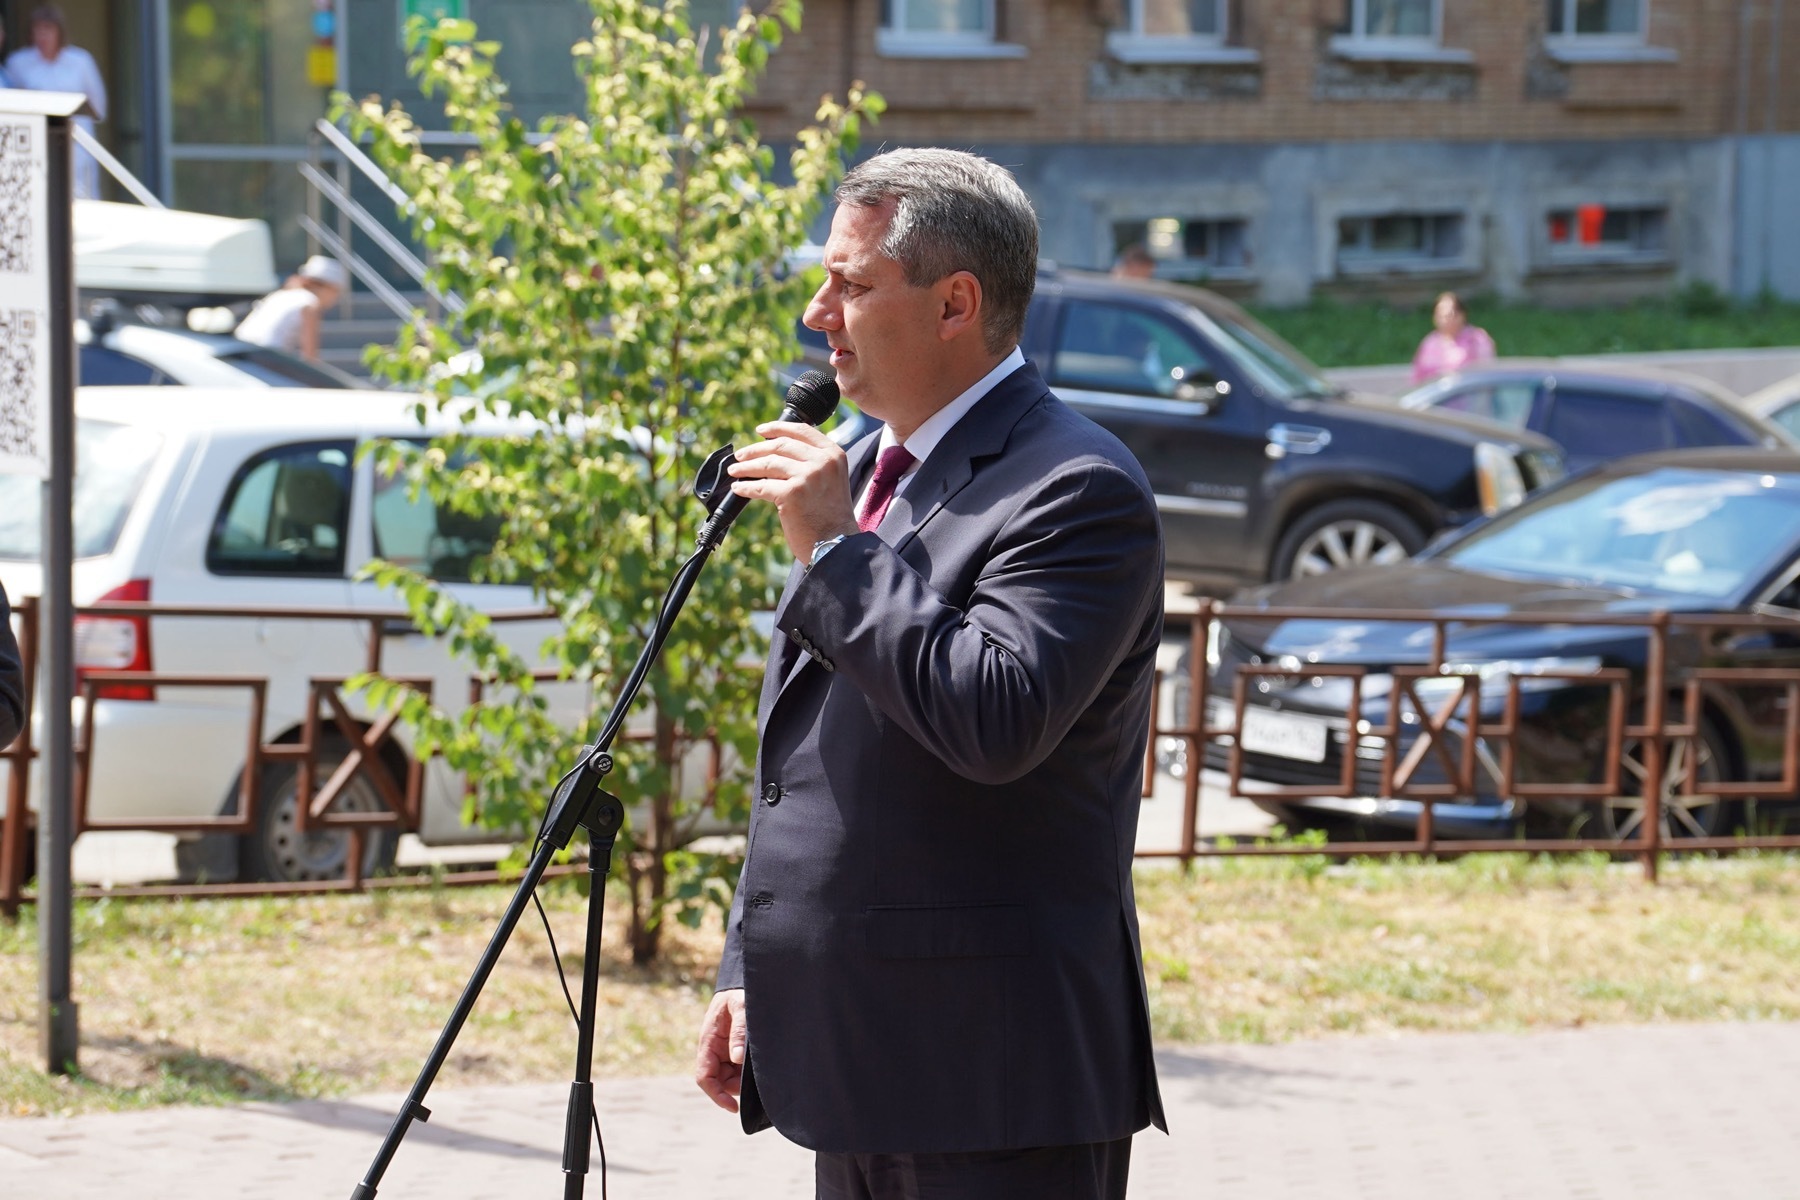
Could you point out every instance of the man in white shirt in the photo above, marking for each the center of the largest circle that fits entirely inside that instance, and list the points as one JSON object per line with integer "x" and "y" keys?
{"x": 288, "y": 317}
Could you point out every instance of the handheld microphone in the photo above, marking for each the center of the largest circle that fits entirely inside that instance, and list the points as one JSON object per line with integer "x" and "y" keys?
{"x": 811, "y": 399}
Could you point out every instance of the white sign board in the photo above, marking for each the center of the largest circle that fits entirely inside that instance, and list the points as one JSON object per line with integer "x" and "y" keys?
{"x": 24, "y": 296}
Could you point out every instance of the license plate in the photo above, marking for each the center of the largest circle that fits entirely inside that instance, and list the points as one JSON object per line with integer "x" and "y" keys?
{"x": 1283, "y": 735}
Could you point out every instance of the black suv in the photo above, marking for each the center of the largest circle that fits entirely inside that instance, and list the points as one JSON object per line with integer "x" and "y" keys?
{"x": 1262, "y": 469}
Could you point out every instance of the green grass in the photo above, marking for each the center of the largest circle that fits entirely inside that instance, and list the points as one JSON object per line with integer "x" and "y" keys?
{"x": 215, "y": 1002}
{"x": 1270, "y": 950}
{"x": 1336, "y": 333}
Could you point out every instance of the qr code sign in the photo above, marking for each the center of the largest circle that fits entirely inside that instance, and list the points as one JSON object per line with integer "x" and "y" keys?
{"x": 16, "y": 177}
{"x": 18, "y": 383}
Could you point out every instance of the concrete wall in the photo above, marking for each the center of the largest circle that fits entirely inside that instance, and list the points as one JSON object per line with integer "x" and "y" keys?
{"x": 1293, "y": 194}
{"x": 1767, "y": 216}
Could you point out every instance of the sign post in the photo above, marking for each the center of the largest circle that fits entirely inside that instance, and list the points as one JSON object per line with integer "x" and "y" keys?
{"x": 37, "y": 436}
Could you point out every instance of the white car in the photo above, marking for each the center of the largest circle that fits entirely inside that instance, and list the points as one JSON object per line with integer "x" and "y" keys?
{"x": 133, "y": 355}
{"x": 221, "y": 497}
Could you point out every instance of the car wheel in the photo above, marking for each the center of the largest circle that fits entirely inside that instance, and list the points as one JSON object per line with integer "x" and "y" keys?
{"x": 1346, "y": 533}
{"x": 278, "y": 852}
{"x": 1684, "y": 814}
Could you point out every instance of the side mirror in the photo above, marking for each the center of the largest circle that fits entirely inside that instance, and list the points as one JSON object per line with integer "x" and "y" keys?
{"x": 1198, "y": 385}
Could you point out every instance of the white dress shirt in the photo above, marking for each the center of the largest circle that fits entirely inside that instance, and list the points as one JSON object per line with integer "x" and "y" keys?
{"x": 931, "y": 431}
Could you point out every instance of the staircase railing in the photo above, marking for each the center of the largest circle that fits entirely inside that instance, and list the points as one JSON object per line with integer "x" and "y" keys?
{"x": 323, "y": 189}
{"x": 131, "y": 183}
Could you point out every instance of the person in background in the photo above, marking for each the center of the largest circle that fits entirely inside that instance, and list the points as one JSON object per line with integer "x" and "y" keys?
{"x": 1134, "y": 262}
{"x": 5, "y": 79}
{"x": 1452, "y": 344}
{"x": 288, "y": 317}
{"x": 50, "y": 64}
{"x": 12, "y": 678}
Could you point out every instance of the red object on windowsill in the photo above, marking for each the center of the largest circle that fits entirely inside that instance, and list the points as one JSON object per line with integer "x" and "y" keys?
{"x": 1589, "y": 219}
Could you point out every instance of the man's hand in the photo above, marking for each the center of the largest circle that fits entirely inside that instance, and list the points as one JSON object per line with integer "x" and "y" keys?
{"x": 719, "y": 1061}
{"x": 805, "y": 475}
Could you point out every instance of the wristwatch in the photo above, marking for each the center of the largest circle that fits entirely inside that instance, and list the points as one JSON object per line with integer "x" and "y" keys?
{"x": 822, "y": 548}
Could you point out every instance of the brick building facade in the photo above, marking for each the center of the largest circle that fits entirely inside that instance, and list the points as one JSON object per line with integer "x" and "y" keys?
{"x": 1563, "y": 149}
{"x": 1559, "y": 149}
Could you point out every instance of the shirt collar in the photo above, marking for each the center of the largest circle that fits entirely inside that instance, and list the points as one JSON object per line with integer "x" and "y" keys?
{"x": 931, "y": 431}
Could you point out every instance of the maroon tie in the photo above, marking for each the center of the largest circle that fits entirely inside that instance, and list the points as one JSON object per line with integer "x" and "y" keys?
{"x": 894, "y": 462}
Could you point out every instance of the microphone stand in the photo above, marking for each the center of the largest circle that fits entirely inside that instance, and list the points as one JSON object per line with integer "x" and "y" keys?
{"x": 578, "y": 803}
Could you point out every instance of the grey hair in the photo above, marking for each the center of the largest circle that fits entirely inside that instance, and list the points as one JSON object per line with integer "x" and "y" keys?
{"x": 956, "y": 212}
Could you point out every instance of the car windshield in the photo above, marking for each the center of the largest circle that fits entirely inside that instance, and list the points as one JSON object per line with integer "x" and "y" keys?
{"x": 1685, "y": 531}
{"x": 277, "y": 368}
{"x": 1274, "y": 365}
{"x": 110, "y": 464}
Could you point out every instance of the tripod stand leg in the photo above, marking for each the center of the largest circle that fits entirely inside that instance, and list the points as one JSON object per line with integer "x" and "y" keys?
{"x": 413, "y": 1107}
{"x": 576, "y": 1140}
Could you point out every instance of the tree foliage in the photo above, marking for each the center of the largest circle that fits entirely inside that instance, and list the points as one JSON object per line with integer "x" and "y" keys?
{"x": 622, "y": 273}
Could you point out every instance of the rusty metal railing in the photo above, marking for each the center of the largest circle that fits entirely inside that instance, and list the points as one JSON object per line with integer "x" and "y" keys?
{"x": 1668, "y": 703}
{"x": 1455, "y": 730}
{"x": 367, "y": 741}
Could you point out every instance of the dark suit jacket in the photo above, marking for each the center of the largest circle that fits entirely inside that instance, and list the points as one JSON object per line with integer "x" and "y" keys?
{"x": 935, "y": 924}
{"x": 12, "y": 678}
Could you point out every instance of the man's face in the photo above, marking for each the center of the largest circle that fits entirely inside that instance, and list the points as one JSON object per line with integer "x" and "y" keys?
{"x": 883, "y": 331}
{"x": 46, "y": 37}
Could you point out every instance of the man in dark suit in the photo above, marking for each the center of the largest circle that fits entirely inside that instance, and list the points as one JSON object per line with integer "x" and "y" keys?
{"x": 12, "y": 678}
{"x": 932, "y": 974}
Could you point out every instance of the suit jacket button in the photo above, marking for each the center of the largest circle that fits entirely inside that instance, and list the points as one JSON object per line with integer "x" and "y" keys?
{"x": 772, "y": 793}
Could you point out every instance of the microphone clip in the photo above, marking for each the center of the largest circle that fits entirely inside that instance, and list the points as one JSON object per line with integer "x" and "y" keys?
{"x": 711, "y": 483}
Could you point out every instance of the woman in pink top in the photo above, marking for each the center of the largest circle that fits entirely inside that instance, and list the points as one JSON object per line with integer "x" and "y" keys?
{"x": 1452, "y": 344}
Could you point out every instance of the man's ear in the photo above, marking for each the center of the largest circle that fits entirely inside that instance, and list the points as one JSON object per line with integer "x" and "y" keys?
{"x": 960, "y": 295}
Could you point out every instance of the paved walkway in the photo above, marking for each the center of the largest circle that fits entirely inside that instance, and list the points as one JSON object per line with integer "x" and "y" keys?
{"x": 1679, "y": 1112}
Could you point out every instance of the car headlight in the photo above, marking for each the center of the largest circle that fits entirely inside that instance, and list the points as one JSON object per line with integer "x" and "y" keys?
{"x": 1497, "y": 478}
{"x": 1498, "y": 670}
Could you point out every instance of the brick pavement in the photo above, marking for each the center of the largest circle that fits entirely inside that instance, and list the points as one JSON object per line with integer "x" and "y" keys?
{"x": 1667, "y": 1112}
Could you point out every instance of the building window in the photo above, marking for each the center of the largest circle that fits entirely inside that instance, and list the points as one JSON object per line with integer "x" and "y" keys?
{"x": 1189, "y": 247}
{"x": 1176, "y": 31}
{"x": 941, "y": 28}
{"x": 940, "y": 18}
{"x": 1602, "y": 31}
{"x": 1392, "y": 19}
{"x": 1178, "y": 18}
{"x": 1602, "y": 232}
{"x": 1615, "y": 20}
{"x": 1403, "y": 241}
{"x": 1406, "y": 30}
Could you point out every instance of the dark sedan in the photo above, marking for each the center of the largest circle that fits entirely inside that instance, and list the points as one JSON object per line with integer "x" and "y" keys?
{"x": 1712, "y": 531}
{"x": 1599, "y": 412}
{"x": 1262, "y": 468}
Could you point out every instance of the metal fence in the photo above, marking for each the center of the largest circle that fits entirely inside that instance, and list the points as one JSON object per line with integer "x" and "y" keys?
{"x": 1436, "y": 753}
{"x": 373, "y": 755}
{"x": 1432, "y": 753}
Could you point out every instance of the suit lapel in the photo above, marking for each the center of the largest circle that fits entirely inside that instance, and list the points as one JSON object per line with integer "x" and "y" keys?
{"x": 982, "y": 433}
